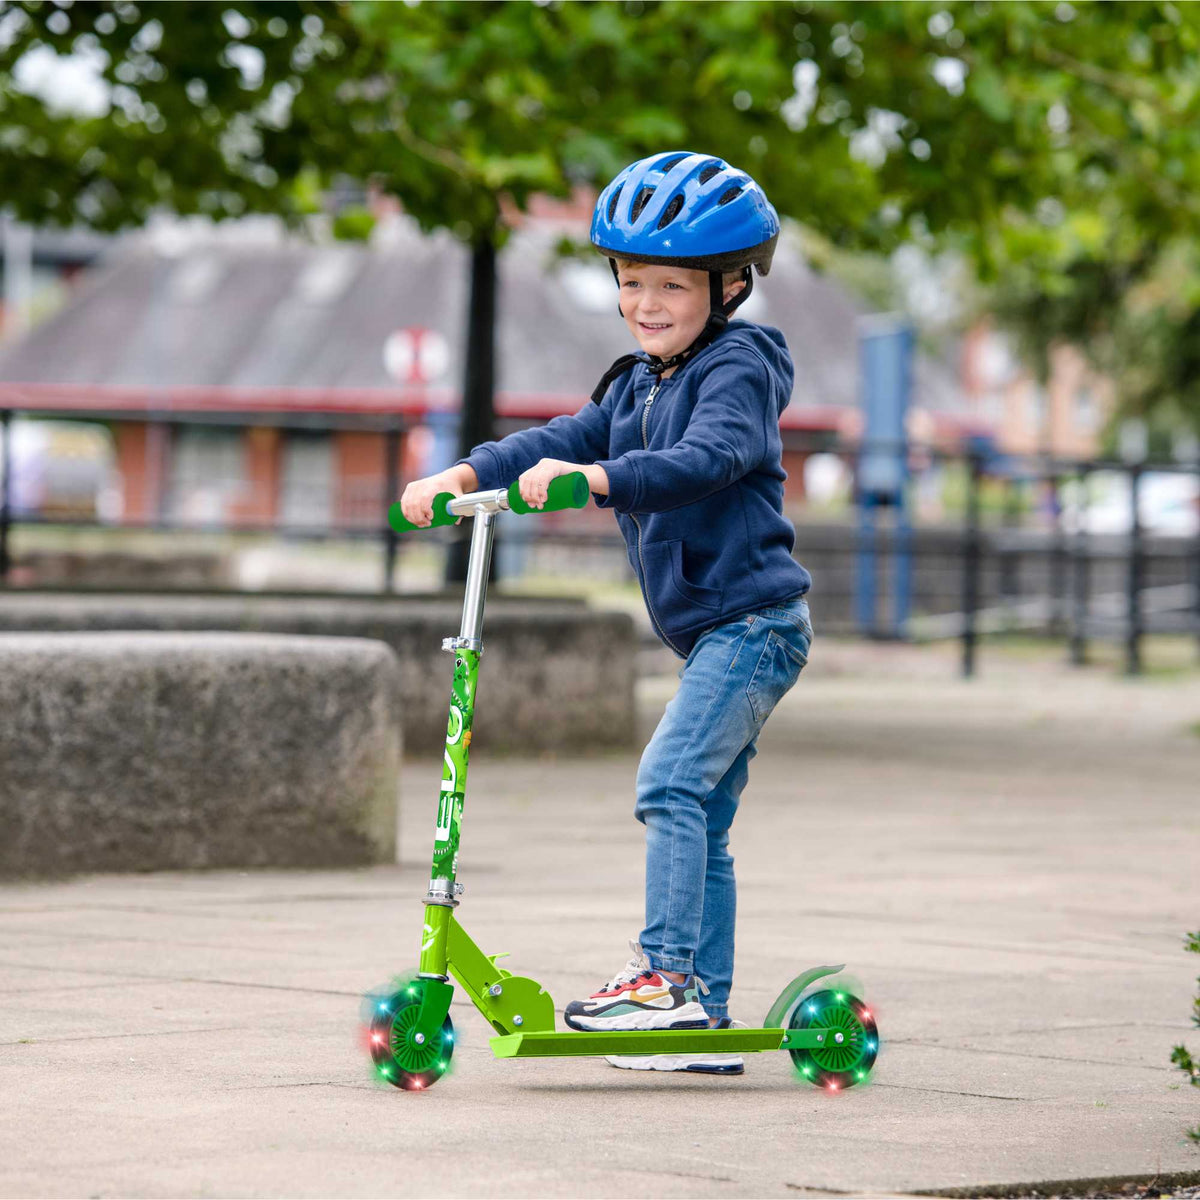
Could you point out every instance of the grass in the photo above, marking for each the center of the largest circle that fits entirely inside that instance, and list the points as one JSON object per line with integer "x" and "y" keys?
{"x": 1165, "y": 657}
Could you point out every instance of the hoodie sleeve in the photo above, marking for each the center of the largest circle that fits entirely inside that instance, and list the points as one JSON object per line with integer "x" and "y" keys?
{"x": 725, "y": 439}
{"x": 581, "y": 438}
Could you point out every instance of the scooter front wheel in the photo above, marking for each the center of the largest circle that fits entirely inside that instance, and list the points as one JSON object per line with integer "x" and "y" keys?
{"x": 403, "y": 1054}
{"x": 852, "y": 1044}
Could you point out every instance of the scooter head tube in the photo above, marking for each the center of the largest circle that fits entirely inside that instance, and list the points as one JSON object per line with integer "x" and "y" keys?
{"x": 441, "y": 515}
{"x": 567, "y": 491}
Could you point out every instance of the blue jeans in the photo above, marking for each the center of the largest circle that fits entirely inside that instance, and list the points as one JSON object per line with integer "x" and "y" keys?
{"x": 689, "y": 781}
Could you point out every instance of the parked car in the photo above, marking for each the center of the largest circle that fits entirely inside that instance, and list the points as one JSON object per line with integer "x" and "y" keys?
{"x": 1168, "y": 504}
{"x": 60, "y": 468}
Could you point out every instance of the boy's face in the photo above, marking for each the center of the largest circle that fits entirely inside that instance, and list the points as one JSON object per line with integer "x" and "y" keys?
{"x": 666, "y": 307}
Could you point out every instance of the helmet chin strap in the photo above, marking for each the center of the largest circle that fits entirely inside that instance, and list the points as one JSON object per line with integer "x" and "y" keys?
{"x": 719, "y": 313}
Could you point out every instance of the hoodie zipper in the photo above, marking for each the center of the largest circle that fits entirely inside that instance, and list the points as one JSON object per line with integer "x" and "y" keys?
{"x": 645, "y": 589}
{"x": 646, "y": 411}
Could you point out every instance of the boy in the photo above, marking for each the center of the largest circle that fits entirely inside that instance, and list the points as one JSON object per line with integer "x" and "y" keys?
{"x": 683, "y": 444}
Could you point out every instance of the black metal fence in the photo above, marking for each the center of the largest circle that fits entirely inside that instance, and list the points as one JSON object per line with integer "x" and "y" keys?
{"x": 1010, "y": 548}
{"x": 1115, "y": 584}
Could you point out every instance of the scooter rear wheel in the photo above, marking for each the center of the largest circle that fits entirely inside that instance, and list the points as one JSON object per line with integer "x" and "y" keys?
{"x": 850, "y": 1050}
{"x": 405, "y": 1056}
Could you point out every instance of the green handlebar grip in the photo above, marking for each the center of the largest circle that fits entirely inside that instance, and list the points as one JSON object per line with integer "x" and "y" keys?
{"x": 565, "y": 491}
{"x": 401, "y": 524}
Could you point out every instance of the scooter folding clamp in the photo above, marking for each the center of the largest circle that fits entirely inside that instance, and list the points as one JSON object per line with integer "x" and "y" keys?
{"x": 441, "y": 891}
{"x": 462, "y": 643}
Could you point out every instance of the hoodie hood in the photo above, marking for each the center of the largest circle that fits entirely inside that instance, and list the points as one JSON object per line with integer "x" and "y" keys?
{"x": 764, "y": 340}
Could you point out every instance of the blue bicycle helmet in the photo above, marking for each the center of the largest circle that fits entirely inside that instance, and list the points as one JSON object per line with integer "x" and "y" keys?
{"x": 686, "y": 210}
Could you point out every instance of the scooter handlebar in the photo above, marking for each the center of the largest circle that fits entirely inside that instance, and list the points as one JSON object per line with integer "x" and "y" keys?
{"x": 441, "y": 514}
{"x": 565, "y": 491}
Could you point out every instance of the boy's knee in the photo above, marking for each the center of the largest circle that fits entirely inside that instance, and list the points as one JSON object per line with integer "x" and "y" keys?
{"x": 650, "y": 769}
{"x": 674, "y": 805}
{"x": 648, "y": 807}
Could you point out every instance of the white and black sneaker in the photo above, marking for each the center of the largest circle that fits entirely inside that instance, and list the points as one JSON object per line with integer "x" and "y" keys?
{"x": 704, "y": 1064}
{"x": 640, "y": 998}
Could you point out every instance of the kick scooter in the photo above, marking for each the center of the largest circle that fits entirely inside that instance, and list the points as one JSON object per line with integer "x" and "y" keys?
{"x": 829, "y": 1032}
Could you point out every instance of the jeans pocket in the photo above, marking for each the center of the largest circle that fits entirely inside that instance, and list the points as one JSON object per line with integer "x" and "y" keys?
{"x": 800, "y": 609}
{"x": 795, "y": 613}
{"x": 779, "y": 666}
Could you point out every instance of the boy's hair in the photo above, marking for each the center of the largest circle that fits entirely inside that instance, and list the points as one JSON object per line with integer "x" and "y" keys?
{"x": 623, "y": 264}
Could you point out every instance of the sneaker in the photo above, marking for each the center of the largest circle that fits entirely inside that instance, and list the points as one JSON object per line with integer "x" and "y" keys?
{"x": 640, "y": 998}
{"x": 705, "y": 1064}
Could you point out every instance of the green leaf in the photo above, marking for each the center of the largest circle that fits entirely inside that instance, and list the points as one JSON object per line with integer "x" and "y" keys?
{"x": 986, "y": 86}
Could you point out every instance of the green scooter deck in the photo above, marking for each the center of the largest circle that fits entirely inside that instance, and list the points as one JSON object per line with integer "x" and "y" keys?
{"x": 657, "y": 1041}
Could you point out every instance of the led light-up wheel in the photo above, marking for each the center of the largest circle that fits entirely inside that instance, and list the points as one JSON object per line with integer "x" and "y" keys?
{"x": 850, "y": 1047}
{"x": 404, "y": 1055}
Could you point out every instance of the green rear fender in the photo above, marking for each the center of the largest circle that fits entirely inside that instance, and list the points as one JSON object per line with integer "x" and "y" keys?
{"x": 777, "y": 1018}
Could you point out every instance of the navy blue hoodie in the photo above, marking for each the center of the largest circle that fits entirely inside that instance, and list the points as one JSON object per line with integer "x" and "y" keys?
{"x": 695, "y": 478}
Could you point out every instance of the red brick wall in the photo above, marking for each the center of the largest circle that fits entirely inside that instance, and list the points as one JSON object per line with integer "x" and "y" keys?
{"x": 142, "y": 461}
{"x": 262, "y": 466}
{"x": 361, "y": 475}
{"x": 793, "y": 464}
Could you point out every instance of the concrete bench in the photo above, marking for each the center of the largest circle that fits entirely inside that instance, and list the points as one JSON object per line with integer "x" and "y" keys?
{"x": 147, "y": 751}
{"x": 554, "y": 676}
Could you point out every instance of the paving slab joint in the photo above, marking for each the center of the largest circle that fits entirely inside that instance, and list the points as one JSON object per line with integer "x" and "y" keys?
{"x": 1148, "y": 1183}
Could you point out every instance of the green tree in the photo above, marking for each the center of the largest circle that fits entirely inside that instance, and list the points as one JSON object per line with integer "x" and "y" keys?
{"x": 187, "y": 92}
{"x": 1055, "y": 144}
{"x": 1065, "y": 137}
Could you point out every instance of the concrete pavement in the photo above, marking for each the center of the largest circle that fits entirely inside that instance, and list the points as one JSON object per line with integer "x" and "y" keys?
{"x": 1008, "y": 866}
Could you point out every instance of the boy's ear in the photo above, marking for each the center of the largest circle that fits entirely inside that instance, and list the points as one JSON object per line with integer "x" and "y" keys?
{"x": 732, "y": 289}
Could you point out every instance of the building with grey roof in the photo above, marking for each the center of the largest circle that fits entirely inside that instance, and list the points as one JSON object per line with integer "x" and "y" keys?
{"x": 216, "y": 328}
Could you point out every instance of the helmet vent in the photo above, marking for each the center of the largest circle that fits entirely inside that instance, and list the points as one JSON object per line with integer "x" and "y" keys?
{"x": 639, "y": 202}
{"x": 612, "y": 201}
{"x": 729, "y": 194}
{"x": 709, "y": 171}
{"x": 671, "y": 212}
{"x": 670, "y": 164}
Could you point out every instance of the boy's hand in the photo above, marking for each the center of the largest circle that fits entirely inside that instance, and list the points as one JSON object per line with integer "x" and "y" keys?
{"x": 417, "y": 501}
{"x": 533, "y": 484}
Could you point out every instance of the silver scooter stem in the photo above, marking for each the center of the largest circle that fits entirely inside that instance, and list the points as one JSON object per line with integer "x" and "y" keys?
{"x": 483, "y": 507}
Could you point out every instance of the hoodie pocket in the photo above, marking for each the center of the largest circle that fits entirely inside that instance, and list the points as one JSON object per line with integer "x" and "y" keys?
{"x": 670, "y": 563}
